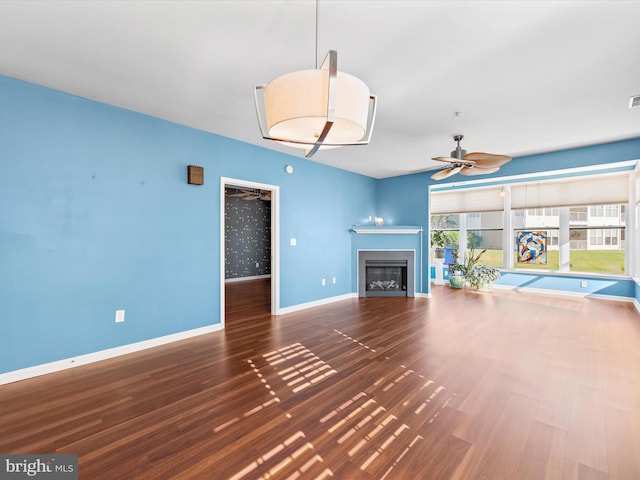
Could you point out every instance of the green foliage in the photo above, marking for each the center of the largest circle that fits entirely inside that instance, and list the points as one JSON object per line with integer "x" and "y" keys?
{"x": 442, "y": 222}
{"x": 471, "y": 259}
{"x": 473, "y": 239}
{"x": 438, "y": 238}
{"x": 456, "y": 269}
{"x": 444, "y": 238}
{"x": 482, "y": 275}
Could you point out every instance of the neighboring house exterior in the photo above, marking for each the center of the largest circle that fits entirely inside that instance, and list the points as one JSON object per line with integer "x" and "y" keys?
{"x": 586, "y": 225}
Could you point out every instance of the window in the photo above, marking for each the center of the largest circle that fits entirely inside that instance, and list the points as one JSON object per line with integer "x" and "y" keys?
{"x": 563, "y": 223}
{"x": 484, "y": 231}
{"x": 449, "y": 224}
{"x": 535, "y": 240}
{"x": 597, "y": 245}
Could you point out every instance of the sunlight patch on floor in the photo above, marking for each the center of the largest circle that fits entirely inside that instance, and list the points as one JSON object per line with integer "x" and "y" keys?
{"x": 307, "y": 369}
{"x": 288, "y": 461}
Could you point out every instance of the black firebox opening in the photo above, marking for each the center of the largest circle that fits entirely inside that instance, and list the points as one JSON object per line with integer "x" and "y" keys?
{"x": 385, "y": 277}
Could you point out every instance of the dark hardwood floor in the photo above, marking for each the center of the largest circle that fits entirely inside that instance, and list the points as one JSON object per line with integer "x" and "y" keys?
{"x": 506, "y": 385}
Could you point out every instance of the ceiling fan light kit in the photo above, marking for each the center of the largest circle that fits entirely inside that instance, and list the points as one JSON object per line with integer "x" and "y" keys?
{"x": 251, "y": 194}
{"x": 468, "y": 164}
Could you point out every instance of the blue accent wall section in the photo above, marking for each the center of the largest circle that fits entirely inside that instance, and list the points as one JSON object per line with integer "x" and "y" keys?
{"x": 317, "y": 210}
{"x": 405, "y": 201}
{"x": 612, "y": 286}
{"x": 96, "y": 215}
{"x": 576, "y": 157}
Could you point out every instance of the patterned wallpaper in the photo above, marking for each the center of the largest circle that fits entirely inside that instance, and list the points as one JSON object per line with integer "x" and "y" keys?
{"x": 247, "y": 236}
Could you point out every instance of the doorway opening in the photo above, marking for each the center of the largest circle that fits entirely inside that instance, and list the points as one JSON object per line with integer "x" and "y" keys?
{"x": 257, "y": 263}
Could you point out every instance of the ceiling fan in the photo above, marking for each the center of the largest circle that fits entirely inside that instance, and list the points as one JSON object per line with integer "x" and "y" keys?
{"x": 474, "y": 163}
{"x": 252, "y": 194}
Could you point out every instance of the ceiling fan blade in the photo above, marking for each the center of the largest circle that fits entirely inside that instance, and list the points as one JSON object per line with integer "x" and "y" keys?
{"x": 478, "y": 171}
{"x": 466, "y": 162}
{"x": 487, "y": 160}
{"x": 447, "y": 172}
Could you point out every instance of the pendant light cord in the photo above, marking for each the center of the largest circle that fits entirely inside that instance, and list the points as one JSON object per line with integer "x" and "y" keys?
{"x": 316, "y": 34}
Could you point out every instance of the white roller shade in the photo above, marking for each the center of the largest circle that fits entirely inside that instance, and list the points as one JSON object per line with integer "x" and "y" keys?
{"x": 481, "y": 199}
{"x": 574, "y": 191}
{"x": 569, "y": 191}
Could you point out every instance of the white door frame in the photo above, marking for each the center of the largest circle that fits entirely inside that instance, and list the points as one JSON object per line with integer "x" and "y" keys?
{"x": 275, "y": 240}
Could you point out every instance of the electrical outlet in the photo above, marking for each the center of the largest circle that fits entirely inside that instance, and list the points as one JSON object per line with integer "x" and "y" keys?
{"x": 293, "y": 242}
{"x": 324, "y": 282}
{"x": 119, "y": 316}
{"x": 583, "y": 284}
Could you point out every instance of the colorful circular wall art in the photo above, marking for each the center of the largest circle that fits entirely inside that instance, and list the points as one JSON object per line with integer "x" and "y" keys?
{"x": 532, "y": 247}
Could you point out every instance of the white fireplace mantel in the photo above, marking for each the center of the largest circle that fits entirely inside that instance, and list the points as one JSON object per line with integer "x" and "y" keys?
{"x": 390, "y": 230}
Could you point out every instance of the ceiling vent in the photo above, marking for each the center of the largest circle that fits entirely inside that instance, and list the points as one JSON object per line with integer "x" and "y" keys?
{"x": 634, "y": 101}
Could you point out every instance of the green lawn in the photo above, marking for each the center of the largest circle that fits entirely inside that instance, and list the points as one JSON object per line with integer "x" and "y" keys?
{"x": 594, "y": 261}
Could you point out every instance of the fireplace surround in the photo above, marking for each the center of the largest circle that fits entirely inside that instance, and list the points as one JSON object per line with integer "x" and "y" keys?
{"x": 386, "y": 273}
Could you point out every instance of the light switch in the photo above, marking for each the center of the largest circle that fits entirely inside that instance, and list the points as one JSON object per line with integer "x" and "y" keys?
{"x": 293, "y": 242}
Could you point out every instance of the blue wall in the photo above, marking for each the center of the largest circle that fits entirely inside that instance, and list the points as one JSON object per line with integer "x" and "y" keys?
{"x": 96, "y": 215}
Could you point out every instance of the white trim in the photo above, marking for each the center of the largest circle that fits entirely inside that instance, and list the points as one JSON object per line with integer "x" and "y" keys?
{"x": 377, "y": 231}
{"x": 554, "y": 273}
{"x": 244, "y": 279}
{"x": 317, "y": 303}
{"x": 545, "y": 291}
{"x": 329, "y": 300}
{"x": 72, "y": 362}
{"x": 275, "y": 240}
{"x": 604, "y": 169}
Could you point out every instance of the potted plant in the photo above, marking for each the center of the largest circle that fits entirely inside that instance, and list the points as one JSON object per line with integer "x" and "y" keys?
{"x": 456, "y": 275}
{"x": 472, "y": 259}
{"x": 482, "y": 277}
{"x": 438, "y": 240}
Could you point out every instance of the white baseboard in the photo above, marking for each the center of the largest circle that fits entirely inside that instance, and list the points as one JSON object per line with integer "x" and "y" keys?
{"x": 316, "y": 303}
{"x": 325, "y": 301}
{"x": 72, "y": 362}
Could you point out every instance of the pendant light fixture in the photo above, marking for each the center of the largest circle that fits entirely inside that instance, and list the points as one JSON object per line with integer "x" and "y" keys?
{"x": 316, "y": 109}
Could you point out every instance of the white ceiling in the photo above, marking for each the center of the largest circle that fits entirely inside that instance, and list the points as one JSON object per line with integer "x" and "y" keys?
{"x": 528, "y": 76}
